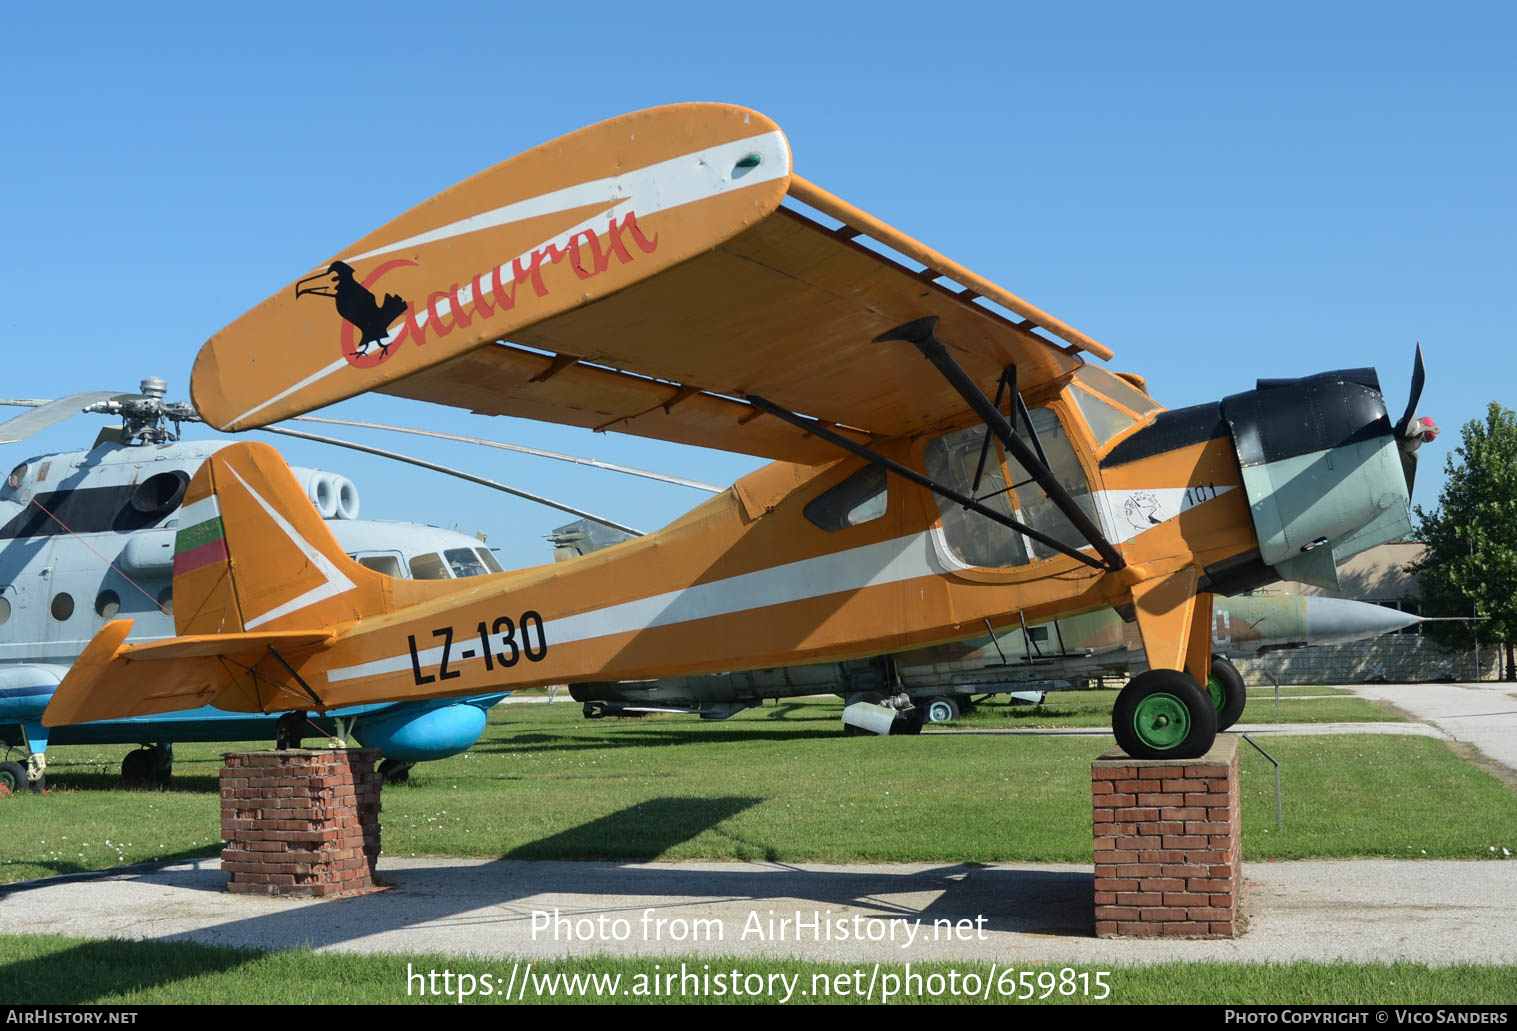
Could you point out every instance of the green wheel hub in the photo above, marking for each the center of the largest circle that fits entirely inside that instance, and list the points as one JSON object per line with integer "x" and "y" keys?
{"x": 1217, "y": 691}
{"x": 1161, "y": 721}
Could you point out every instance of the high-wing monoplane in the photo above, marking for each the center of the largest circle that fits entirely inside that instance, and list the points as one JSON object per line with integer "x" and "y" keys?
{"x": 943, "y": 455}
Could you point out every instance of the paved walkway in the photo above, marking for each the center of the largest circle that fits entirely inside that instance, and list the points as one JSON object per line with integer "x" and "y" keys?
{"x": 1413, "y": 729}
{"x": 1483, "y": 715}
{"x": 1429, "y": 911}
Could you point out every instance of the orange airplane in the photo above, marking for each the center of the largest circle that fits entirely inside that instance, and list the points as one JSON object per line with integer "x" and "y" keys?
{"x": 944, "y": 458}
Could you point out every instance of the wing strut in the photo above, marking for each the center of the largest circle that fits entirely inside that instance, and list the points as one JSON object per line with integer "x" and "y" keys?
{"x": 821, "y": 432}
{"x": 920, "y": 333}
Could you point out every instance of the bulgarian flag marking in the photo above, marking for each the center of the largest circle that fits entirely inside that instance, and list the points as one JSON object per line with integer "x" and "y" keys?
{"x": 201, "y": 540}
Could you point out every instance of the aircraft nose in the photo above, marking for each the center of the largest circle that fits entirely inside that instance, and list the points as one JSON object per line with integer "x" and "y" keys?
{"x": 1339, "y": 621}
{"x": 1321, "y": 469}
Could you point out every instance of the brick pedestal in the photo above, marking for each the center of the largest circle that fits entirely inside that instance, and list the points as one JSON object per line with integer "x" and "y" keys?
{"x": 1168, "y": 844}
{"x": 300, "y": 822}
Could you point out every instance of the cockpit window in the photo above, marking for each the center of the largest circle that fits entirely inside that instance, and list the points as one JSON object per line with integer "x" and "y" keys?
{"x": 489, "y": 560}
{"x": 464, "y": 562}
{"x": 1116, "y": 388}
{"x": 1007, "y": 488}
{"x": 428, "y": 567}
{"x": 1095, "y": 391}
{"x": 858, "y": 499}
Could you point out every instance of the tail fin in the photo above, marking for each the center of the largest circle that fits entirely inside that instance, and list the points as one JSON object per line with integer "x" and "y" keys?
{"x": 252, "y": 554}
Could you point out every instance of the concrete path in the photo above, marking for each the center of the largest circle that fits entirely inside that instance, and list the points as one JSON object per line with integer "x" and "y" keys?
{"x": 1483, "y": 715}
{"x": 1413, "y": 729}
{"x": 1429, "y": 911}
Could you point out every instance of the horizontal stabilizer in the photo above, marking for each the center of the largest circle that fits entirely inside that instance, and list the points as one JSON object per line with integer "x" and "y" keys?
{"x": 241, "y": 672}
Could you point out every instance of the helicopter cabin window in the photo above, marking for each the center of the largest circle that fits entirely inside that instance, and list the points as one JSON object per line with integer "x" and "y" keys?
{"x": 388, "y": 565}
{"x": 860, "y": 498}
{"x": 166, "y": 599}
{"x": 464, "y": 562}
{"x": 1007, "y": 488}
{"x": 429, "y": 567}
{"x": 5, "y": 611}
{"x": 62, "y": 607}
{"x": 107, "y": 604}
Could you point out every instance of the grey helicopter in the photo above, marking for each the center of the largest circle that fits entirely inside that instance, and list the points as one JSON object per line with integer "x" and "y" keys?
{"x": 88, "y": 536}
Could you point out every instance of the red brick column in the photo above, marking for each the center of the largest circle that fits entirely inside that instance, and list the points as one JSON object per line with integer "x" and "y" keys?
{"x": 1168, "y": 844}
{"x": 300, "y": 822}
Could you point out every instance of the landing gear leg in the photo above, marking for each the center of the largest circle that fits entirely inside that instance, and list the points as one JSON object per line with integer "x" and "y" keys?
{"x": 1164, "y": 713}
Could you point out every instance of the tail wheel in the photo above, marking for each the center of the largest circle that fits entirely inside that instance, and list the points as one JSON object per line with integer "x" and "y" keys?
{"x": 1225, "y": 685}
{"x": 1164, "y": 714}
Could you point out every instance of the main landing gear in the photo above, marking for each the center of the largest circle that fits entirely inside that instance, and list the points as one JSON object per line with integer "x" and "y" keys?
{"x": 1165, "y": 714}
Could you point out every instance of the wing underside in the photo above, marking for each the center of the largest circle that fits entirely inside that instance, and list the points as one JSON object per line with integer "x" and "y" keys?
{"x": 710, "y": 274}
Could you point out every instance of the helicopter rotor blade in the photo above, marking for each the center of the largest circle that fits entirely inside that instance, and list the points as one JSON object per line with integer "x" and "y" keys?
{"x": 48, "y": 413}
{"x": 556, "y": 455}
{"x": 422, "y": 463}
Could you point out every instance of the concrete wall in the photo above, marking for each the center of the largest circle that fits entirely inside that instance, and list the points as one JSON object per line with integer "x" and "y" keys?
{"x": 1403, "y": 658}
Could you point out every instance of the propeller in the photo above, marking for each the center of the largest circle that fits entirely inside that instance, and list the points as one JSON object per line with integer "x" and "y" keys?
{"x": 1411, "y": 430}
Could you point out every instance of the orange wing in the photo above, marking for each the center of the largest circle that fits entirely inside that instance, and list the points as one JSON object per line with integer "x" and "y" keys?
{"x": 650, "y": 272}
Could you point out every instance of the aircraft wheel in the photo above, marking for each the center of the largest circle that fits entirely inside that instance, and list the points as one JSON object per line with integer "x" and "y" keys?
{"x": 137, "y": 768}
{"x": 1225, "y": 685}
{"x": 1164, "y": 714}
{"x": 394, "y": 771}
{"x": 12, "y": 778}
{"x": 942, "y": 710}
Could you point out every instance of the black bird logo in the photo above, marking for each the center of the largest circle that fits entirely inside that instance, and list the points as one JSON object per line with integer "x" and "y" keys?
{"x": 356, "y": 304}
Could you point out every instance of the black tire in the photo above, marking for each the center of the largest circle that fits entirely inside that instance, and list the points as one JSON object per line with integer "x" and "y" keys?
{"x": 942, "y": 710}
{"x": 13, "y": 777}
{"x": 1226, "y": 679}
{"x": 849, "y": 730}
{"x": 1164, "y": 714}
{"x": 911, "y": 723}
{"x": 137, "y": 768}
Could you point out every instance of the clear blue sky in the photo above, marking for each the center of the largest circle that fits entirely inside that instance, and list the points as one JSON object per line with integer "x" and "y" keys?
{"x": 1216, "y": 191}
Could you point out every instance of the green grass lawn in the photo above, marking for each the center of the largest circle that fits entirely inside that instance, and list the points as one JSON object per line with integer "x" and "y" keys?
{"x": 45, "y": 969}
{"x": 778, "y": 783}
{"x": 1093, "y": 709}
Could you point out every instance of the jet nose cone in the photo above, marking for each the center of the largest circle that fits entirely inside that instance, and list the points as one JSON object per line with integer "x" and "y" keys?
{"x": 1339, "y": 621}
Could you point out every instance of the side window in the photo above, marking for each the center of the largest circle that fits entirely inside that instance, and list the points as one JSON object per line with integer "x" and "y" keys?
{"x": 858, "y": 499}
{"x": 974, "y": 539}
{"x": 429, "y": 567}
{"x": 1036, "y": 510}
{"x": 1006, "y": 487}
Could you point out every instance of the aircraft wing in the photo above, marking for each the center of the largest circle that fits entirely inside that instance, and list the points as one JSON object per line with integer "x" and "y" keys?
{"x": 643, "y": 275}
{"x": 240, "y": 672}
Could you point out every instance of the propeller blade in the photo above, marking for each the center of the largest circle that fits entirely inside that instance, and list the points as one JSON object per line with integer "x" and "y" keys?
{"x": 559, "y": 456}
{"x": 397, "y": 456}
{"x": 47, "y": 413}
{"x": 1419, "y": 377}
